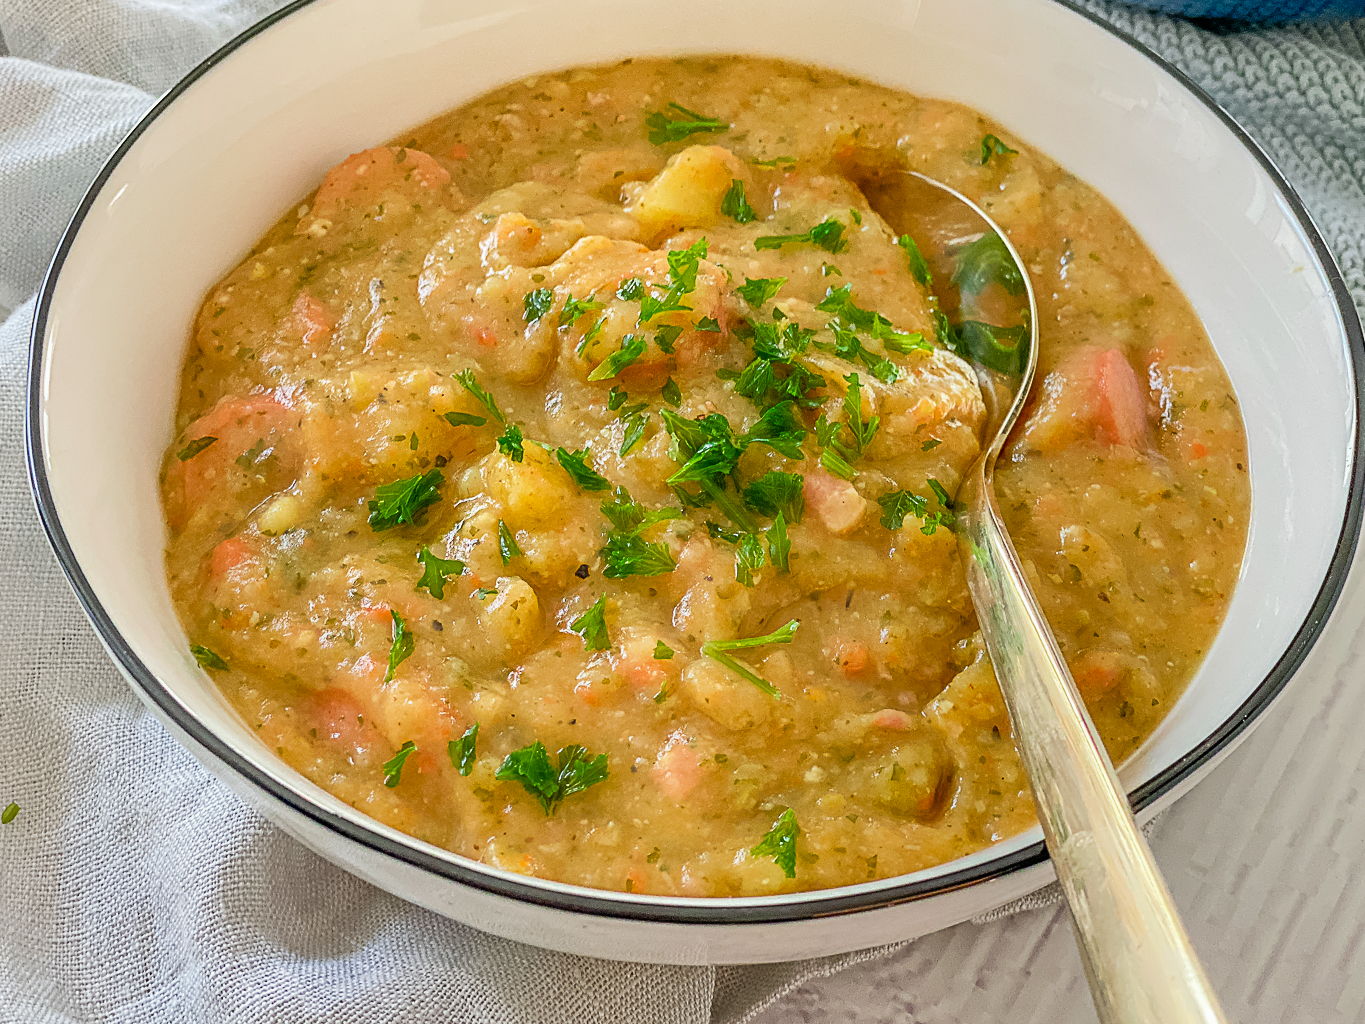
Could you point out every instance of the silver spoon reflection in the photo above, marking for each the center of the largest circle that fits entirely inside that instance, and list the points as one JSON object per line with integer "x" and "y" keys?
{"x": 1136, "y": 954}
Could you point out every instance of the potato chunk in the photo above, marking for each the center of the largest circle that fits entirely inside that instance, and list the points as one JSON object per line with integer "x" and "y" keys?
{"x": 687, "y": 193}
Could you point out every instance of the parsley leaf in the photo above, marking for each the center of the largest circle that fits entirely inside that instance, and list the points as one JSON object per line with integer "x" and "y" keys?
{"x": 862, "y": 431}
{"x": 194, "y": 448}
{"x": 774, "y": 162}
{"x": 899, "y": 504}
{"x": 635, "y": 420}
{"x": 919, "y": 266}
{"x": 575, "y": 308}
{"x": 626, "y": 552}
{"x": 780, "y": 428}
{"x": 757, "y": 291}
{"x": 461, "y": 751}
{"x": 828, "y": 235}
{"x": 630, "y": 289}
{"x": 592, "y": 626}
{"x": 930, "y": 444}
{"x": 536, "y": 304}
{"x": 780, "y": 843}
{"x": 666, "y": 336}
{"x": 208, "y": 659}
{"x": 401, "y": 647}
{"x": 709, "y": 324}
{"x": 462, "y": 419}
{"x": 779, "y": 546}
{"x": 1003, "y": 349}
{"x": 748, "y": 558}
{"x": 849, "y": 315}
{"x": 531, "y": 767}
{"x": 10, "y": 812}
{"x": 777, "y": 494}
{"x": 836, "y": 464}
{"x": 735, "y": 205}
{"x": 400, "y": 502}
{"x": 393, "y": 767}
{"x": 991, "y": 146}
{"x": 616, "y": 398}
{"x": 671, "y": 393}
{"x": 510, "y": 443}
{"x": 632, "y": 348}
{"x": 467, "y": 381}
{"x": 711, "y": 454}
{"x": 576, "y": 465}
{"x": 675, "y": 123}
{"x": 984, "y": 261}
{"x": 662, "y": 652}
{"x": 719, "y": 650}
{"x": 507, "y": 544}
{"x": 436, "y": 571}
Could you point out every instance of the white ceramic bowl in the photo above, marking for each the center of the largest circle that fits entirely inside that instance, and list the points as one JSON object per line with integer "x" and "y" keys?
{"x": 253, "y": 128}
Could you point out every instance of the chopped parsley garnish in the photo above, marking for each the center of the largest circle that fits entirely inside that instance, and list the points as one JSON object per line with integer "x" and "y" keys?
{"x": 671, "y": 393}
{"x": 484, "y": 593}
{"x": 780, "y": 843}
{"x": 536, "y": 304}
{"x": 626, "y": 552}
{"x": 1003, "y": 349}
{"x": 898, "y": 504}
{"x": 588, "y": 335}
{"x": 465, "y": 419}
{"x": 780, "y": 428}
{"x": 719, "y": 650}
{"x": 735, "y": 205}
{"x": 828, "y": 235}
{"x": 576, "y": 465}
{"x": 575, "y": 308}
{"x": 662, "y": 652}
{"x": 718, "y": 532}
{"x": 632, "y": 348}
{"x": 393, "y": 767}
{"x": 777, "y": 494}
{"x": 826, "y": 269}
{"x": 991, "y": 146}
{"x": 436, "y": 571}
{"x": 507, "y": 544}
{"x": 757, "y": 291}
{"x": 748, "y": 558}
{"x": 836, "y": 464}
{"x": 930, "y": 444}
{"x": 208, "y": 659}
{"x": 779, "y": 546}
{"x": 635, "y": 421}
{"x": 510, "y": 443}
{"x": 592, "y": 626}
{"x": 709, "y": 324}
{"x": 675, "y": 123}
{"x": 774, "y": 162}
{"x": 857, "y": 217}
{"x": 616, "y": 398}
{"x": 400, "y": 649}
{"x": 630, "y": 289}
{"x": 776, "y": 347}
{"x": 682, "y": 275}
{"x": 532, "y": 768}
{"x": 919, "y": 266}
{"x": 194, "y": 448}
{"x": 400, "y": 502}
{"x": 467, "y": 381}
{"x": 666, "y": 336}
{"x": 846, "y": 440}
{"x": 461, "y": 751}
{"x": 709, "y": 453}
{"x": 984, "y": 261}
{"x": 257, "y": 453}
{"x": 848, "y": 316}
{"x": 10, "y": 812}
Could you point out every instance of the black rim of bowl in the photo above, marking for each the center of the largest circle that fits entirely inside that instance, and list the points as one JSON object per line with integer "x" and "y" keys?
{"x": 584, "y": 901}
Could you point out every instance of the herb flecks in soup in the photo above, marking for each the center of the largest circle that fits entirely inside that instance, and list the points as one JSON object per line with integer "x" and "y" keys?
{"x": 570, "y": 483}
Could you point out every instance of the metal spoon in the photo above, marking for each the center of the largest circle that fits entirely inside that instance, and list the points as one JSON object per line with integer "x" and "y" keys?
{"x": 1136, "y": 954}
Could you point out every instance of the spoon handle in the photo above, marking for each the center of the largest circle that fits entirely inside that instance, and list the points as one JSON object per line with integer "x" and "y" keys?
{"x": 1137, "y": 956}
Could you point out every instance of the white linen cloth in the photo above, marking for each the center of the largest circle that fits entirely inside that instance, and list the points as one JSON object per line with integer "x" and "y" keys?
{"x": 135, "y": 888}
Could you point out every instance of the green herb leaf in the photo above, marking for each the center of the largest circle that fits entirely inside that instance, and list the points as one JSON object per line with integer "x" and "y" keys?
{"x": 592, "y": 626}
{"x": 632, "y": 348}
{"x": 711, "y": 453}
{"x": 627, "y": 553}
{"x": 616, "y": 398}
{"x": 10, "y": 812}
{"x": 718, "y": 532}
{"x": 778, "y": 494}
{"x": 401, "y": 647}
{"x": 467, "y": 381}
{"x": 899, "y": 504}
{"x": 780, "y": 428}
{"x": 208, "y": 659}
{"x": 709, "y": 324}
{"x": 780, "y": 843}
{"x": 748, "y": 558}
{"x": 461, "y": 751}
{"x": 666, "y": 337}
{"x": 774, "y": 162}
{"x": 465, "y": 419}
{"x": 635, "y": 421}
{"x": 484, "y": 593}
{"x": 848, "y": 316}
{"x": 758, "y": 291}
{"x": 930, "y": 444}
{"x": 662, "y": 652}
{"x": 536, "y": 304}
{"x": 507, "y": 544}
{"x": 779, "y": 546}
{"x": 984, "y": 261}
{"x": 719, "y": 650}
{"x": 510, "y": 443}
{"x": 576, "y": 465}
{"x": 575, "y": 308}
{"x": 400, "y": 502}
{"x": 828, "y": 235}
{"x": 257, "y": 453}
{"x": 194, "y": 448}
{"x": 588, "y": 335}
{"x": 671, "y": 393}
{"x": 836, "y": 464}
{"x": 991, "y": 146}
{"x": 393, "y": 767}
{"x": 735, "y": 205}
{"x": 857, "y": 217}
{"x": 530, "y": 766}
{"x": 1003, "y": 349}
{"x": 630, "y": 289}
{"x": 675, "y": 123}
{"x": 919, "y": 266}
{"x": 436, "y": 571}
{"x": 862, "y": 431}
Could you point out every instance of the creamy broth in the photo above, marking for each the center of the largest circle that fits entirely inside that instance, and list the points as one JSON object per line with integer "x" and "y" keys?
{"x": 497, "y": 446}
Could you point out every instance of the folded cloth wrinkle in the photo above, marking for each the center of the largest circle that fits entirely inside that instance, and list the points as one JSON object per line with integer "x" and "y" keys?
{"x": 137, "y": 887}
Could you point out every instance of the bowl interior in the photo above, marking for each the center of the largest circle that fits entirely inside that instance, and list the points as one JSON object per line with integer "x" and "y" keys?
{"x": 256, "y": 131}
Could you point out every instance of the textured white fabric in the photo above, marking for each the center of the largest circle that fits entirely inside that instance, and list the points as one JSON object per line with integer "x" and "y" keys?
{"x": 136, "y": 888}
